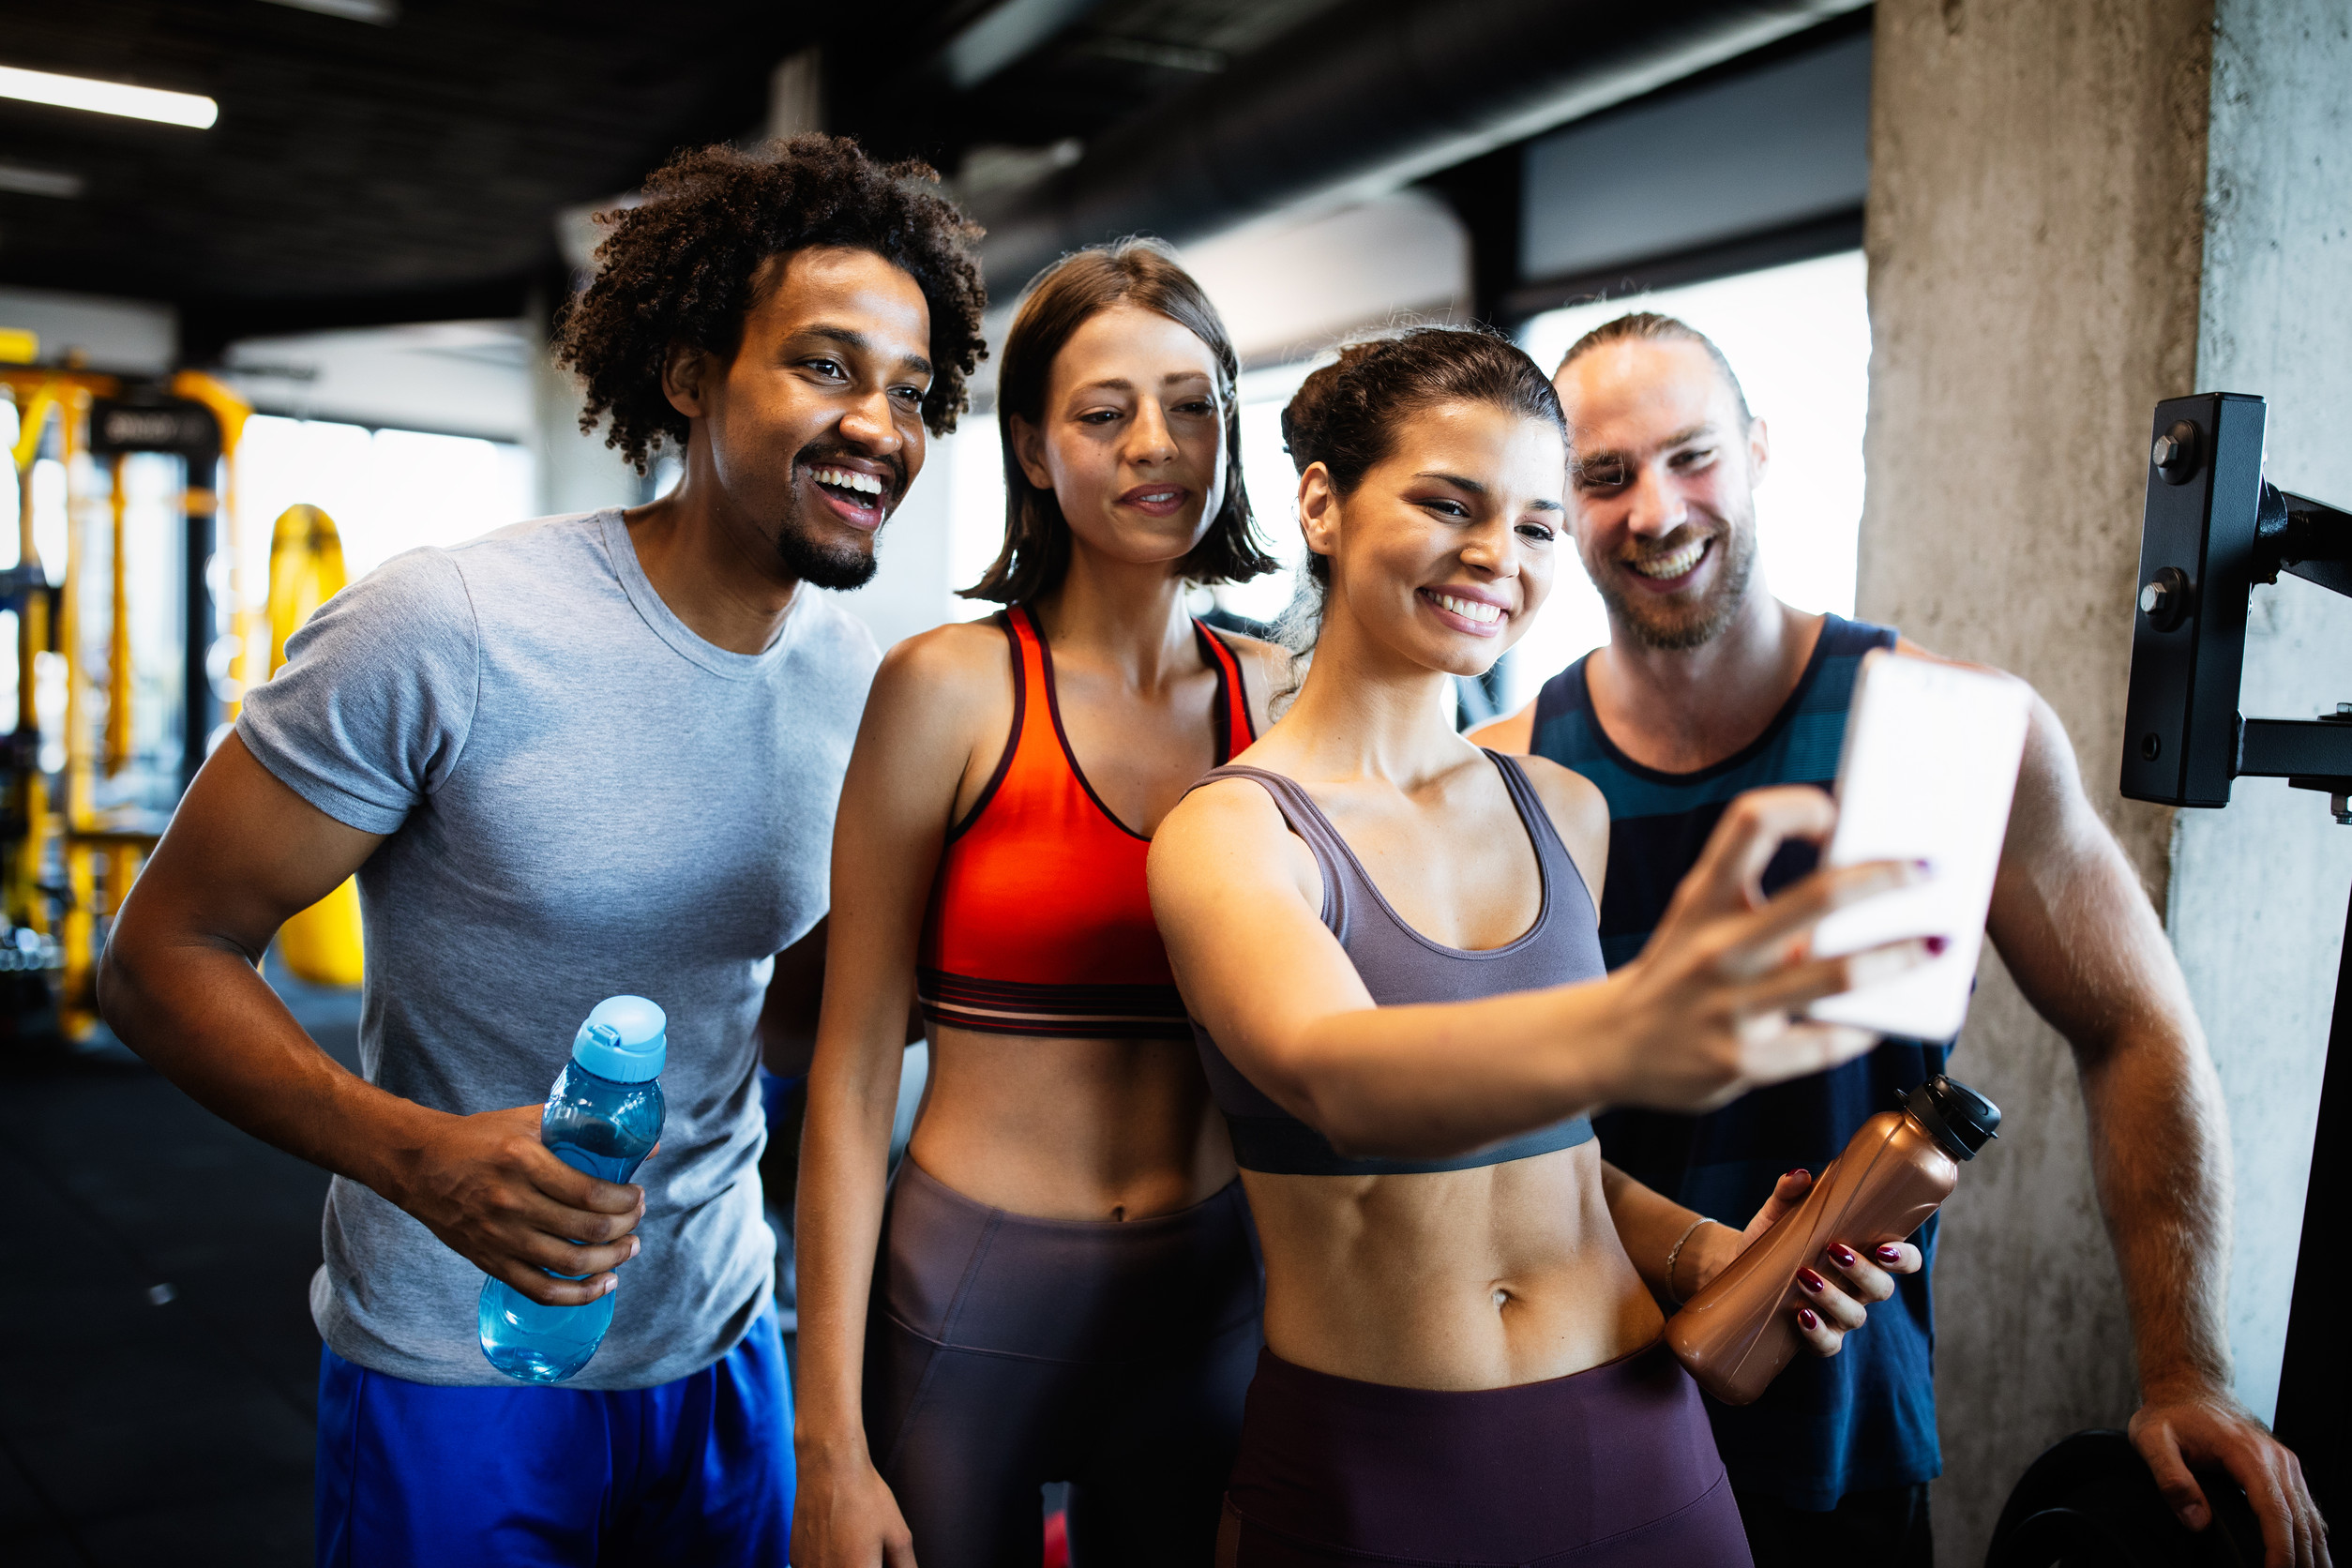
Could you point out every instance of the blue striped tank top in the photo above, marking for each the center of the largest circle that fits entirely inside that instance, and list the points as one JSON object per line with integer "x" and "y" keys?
{"x": 1866, "y": 1417}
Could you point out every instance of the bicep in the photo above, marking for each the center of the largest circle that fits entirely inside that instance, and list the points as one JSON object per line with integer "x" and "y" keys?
{"x": 1237, "y": 900}
{"x": 243, "y": 853}
{"x": 2069, "y": 916}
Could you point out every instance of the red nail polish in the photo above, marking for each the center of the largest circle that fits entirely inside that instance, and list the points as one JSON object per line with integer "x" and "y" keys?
{"x": 1811, "y": 1281}
{"x": 1800, "y": 1170}
{"x": 1890, "y": 1254}
{"x": 1844, "y": 1254}
{"x": 1807, "y": 1319}
{"x": 1936, "y": 946}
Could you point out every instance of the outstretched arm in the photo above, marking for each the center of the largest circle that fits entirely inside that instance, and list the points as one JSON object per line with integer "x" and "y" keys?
{"x": 180, "y": 985}
{"x": 1701, "y": 1017}
{"x": 2084, "y": 946}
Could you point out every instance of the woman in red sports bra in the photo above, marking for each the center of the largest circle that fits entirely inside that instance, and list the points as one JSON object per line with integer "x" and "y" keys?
{"x": 1066, "y": 1287}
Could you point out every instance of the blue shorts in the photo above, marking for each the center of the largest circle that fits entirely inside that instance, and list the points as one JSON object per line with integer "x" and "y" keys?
{"x": 699, "y": 1470}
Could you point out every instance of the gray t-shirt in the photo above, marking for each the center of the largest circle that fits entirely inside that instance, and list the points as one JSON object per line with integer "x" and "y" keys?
{"x": 583, "y": 798}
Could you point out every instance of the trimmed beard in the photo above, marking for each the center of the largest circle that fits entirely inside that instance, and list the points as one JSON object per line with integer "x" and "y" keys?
{"x": 812, "y": 562}
{"x": 1679, "y": 629}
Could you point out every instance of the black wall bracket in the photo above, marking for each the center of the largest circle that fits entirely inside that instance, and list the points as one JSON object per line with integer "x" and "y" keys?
{"x": 2213, "y": 528}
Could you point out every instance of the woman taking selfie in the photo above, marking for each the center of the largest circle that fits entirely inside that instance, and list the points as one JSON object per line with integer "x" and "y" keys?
{"x": 1066, "y": 1289}
{"x": 1387, "y": 939}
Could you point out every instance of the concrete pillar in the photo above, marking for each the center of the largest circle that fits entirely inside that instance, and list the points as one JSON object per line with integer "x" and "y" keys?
{"x": 2075, "y": 210}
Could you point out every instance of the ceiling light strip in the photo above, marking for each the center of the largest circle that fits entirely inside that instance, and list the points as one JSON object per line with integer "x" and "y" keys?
{"x": 108, "y": 97}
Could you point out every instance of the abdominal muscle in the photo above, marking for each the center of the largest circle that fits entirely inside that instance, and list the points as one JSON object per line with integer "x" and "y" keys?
{"x": 1067, "y": 1129}
{"x": 1484, "y": 1278}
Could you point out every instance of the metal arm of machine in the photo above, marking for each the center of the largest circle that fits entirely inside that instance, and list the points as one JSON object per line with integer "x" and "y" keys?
{"x": 2309, "y": 538}
{"x": 2213, "y": 528}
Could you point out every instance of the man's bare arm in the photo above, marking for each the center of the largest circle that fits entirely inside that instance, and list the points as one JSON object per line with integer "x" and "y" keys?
{"x": 180, "y": 985}
{"x": 2084, "y": 946}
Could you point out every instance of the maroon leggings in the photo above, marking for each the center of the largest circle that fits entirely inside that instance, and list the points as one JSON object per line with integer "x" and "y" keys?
{"x": 1610, "y": 1468}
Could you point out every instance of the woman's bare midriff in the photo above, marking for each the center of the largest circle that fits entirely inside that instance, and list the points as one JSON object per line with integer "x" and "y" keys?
{"x": 1461, "y": 1279}
{"x": 1071, "y": 1129}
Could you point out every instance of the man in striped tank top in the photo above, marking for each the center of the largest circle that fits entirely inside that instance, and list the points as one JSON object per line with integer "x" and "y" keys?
{"x": 1710, "y": 687}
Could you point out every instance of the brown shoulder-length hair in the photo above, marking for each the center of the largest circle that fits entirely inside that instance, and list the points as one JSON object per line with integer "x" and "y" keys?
{"x": 1060, "y": 300}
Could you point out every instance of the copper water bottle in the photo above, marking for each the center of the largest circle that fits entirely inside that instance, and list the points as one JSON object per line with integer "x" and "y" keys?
{"x": 1737, "y": 1334}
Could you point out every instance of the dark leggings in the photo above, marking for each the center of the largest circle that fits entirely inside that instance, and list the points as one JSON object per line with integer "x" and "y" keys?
{"x": 1007, "y": 1352}
{"x": 1610, "y": 1468}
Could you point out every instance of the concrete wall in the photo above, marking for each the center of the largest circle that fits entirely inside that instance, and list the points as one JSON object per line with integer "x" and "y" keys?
{"x": 2258, "y": 891}
{"x": 2075, "y": 210}
{"x": 2034, "y": 234}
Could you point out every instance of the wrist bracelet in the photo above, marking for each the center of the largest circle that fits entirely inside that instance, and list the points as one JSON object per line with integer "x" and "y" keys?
{"x": 1674, "y": 1256}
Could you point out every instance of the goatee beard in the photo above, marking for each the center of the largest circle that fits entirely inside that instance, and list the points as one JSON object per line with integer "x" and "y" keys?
{"x": 1681, "y": 627}
{"x": 812, "y": 562}
{"x": 799, "y": 545}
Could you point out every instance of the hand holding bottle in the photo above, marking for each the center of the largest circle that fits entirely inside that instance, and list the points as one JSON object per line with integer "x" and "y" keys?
{"x": 603, "y": 1118}
{"x": 493, "y": 1193}
{"x": 1851, "y": 1280}
{"x": 1736, "y": 1333}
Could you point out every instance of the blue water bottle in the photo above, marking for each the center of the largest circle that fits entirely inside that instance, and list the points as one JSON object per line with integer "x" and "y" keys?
{"x": 603, "y": 1117}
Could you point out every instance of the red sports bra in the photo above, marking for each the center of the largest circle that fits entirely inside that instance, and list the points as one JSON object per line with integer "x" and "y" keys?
{"x": 1039, "y": 921}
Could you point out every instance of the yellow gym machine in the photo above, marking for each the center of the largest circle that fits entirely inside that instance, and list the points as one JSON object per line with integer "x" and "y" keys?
{"x": 321, "y": 946}
{"x": 66, "y": 859}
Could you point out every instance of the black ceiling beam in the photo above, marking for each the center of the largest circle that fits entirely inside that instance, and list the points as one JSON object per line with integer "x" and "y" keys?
{"x": 1372, "y": 94}
{"x": 1488, "y": 194}
{"x": 1802, "y": 241}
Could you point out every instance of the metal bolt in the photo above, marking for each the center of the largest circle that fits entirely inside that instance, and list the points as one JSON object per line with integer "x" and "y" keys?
{"x": 2165, "y": 598}
{"x": 2174, "y": 453}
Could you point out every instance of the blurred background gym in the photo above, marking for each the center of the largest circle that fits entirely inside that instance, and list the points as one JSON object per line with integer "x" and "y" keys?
{"x": 276, "y": 278}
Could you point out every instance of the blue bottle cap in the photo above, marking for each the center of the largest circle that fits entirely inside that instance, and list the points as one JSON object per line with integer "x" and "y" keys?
{"x": 627, "y": 1039}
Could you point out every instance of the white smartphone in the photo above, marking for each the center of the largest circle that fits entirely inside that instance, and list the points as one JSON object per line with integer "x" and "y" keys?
{"x": 1929, "y": 769}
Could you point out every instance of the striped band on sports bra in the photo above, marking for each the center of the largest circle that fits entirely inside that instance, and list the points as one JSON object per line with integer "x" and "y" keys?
{"x": 1082, "y": 1012}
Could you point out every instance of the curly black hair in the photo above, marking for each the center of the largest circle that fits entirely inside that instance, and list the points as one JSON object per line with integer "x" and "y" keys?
{"x": 684, "y": 268}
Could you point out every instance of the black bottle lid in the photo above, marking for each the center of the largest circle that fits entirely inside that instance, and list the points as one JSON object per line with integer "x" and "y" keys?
{"x": 1960, "y": 1118}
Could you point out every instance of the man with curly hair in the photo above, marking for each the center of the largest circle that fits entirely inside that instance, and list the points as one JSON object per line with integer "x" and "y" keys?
{"x": 577, "y": 757}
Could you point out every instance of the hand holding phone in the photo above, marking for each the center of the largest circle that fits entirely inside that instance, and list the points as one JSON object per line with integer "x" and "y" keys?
{"x": 1930, "y": 767}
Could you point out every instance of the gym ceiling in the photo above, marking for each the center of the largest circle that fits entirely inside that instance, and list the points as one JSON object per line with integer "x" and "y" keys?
{"x": 395, "y": 160}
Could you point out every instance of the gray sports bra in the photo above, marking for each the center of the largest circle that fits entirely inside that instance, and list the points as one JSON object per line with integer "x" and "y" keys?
{"x": 1399, "y": 965}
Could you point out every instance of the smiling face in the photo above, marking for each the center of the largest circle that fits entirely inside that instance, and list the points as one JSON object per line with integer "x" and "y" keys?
{"x": 814, "y": 429}
{"x": 1445, "y": 549}
{"x": 1664, "y": 494}
{"x": 1131, "y": 441}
